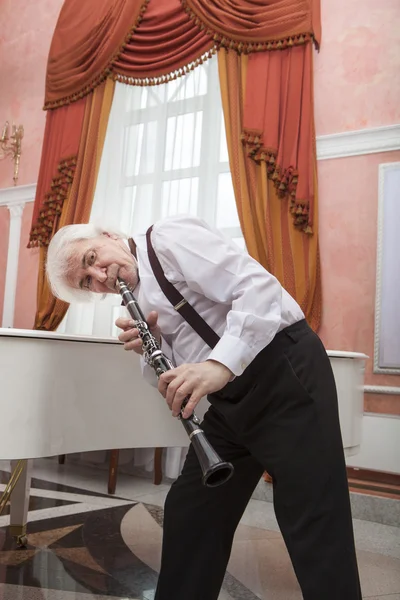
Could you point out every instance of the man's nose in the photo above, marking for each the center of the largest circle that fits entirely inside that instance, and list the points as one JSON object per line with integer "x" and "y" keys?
{"x": 97, "y": 273}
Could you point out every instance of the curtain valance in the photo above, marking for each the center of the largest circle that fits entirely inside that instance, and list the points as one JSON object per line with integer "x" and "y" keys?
{"x": 257, "y": 25}
{"x": 150, "y": 41}
{"x": 88, "y": 36}
{"x": 166, "y": 42}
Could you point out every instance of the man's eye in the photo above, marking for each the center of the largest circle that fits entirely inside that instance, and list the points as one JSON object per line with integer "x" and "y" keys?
{"x": 88, "y": 282}
{"x": 91, "y": 258}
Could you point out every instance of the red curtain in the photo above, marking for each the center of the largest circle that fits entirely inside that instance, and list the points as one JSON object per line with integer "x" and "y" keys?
{"x": 57, "y": 167}
{"x": 278, "y": 112}
{"x": 77, "y": 198}
{"x": 278, "y": 125}
{"x": 88, "y": 35}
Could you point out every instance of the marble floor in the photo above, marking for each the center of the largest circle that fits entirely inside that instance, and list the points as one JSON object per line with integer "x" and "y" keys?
{"x": 86, "y": 545}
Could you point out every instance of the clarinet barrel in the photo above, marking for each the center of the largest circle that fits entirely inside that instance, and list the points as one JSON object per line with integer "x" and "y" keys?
{"x": 215, "y": 471}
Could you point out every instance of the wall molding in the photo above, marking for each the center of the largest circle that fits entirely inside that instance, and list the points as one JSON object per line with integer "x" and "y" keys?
{"x": 362, "y": 141}
{"x": 335, "y": 145}
{"x": 381, "y": 415}
{"x": 382, "y": 389}
{"x": 20, "y": 194}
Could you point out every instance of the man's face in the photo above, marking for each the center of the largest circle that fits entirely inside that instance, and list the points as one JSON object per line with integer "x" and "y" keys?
{"x": 95, "y": 264}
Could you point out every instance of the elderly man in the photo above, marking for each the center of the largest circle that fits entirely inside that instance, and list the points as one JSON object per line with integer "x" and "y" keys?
{"x": 271, "y": 390}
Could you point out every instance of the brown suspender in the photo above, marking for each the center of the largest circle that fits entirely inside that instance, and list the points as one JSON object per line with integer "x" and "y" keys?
{"x": 132, "y": 247}
{"x": 178, "y": 301}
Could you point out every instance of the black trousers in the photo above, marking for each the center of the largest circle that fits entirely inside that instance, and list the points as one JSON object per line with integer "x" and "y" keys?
{"x": 281, "y": 415}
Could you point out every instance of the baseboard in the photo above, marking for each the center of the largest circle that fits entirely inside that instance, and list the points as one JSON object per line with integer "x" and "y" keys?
{"x": 368, "y": 503}
{"x": 373, "y": 476}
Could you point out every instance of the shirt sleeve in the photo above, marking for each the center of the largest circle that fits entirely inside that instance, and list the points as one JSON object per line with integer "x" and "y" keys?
{"x": 191, "y": 251}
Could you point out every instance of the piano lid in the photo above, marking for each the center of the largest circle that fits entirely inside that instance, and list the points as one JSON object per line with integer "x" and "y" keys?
{"x": 53, "y": 335}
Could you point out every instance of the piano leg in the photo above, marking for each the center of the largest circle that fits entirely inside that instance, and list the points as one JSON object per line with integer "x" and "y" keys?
{"x": 19, "y": 503}
{"x": 158, "y": 452}
{"x": 113, "y": 470}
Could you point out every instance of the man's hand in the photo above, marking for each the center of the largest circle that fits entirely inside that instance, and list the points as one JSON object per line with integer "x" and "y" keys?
{"x": 194, "y": 380}
{"x": 130, "y": 336}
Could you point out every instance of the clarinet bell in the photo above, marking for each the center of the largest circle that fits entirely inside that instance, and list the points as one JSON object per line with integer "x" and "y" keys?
{"x": 215, "y": 470}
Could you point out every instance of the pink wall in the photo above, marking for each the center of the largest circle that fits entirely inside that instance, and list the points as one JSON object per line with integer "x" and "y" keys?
{"x": 357, "y": 83}
{"x": 26, "y": 29}
{"x": 356, "y": 86}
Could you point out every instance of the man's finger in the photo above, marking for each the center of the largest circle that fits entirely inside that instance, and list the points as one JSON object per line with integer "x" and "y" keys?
{"x": 133, "y": 345}
{"x": 152, "y": 319}
{"x": 168, "y": 376}
{"x": 180, "y": 395}
{"x": 128, "y": 335}
{"x": 164, "y": 380}
{"x": 191, "y": 405}
{"x": 175, "y": 391}
{"x": 122, "y": 323}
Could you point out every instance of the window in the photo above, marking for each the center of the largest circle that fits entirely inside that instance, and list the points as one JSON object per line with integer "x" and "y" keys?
{"x": 175, "y": 154}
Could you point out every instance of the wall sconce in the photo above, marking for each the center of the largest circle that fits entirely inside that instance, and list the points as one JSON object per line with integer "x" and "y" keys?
{"x": 11, "y": 145}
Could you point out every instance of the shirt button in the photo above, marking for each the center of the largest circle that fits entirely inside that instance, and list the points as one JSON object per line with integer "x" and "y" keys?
{"x": 243, "y": 365}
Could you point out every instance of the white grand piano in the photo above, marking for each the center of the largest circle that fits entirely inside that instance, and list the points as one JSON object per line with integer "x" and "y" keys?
{"x": 62, "y": 394}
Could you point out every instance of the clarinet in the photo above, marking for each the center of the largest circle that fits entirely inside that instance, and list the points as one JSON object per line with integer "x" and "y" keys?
{"x": 215, "y": 471}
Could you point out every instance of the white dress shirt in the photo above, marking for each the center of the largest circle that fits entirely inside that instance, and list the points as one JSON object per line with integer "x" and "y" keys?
{"x": 243, "y": 303}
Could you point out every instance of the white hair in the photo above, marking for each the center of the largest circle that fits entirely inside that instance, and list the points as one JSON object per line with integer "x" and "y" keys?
{"x": 59, "y": 254}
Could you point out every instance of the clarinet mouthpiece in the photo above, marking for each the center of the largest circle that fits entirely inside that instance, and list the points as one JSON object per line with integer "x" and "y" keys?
{"x": 119, "y": 283}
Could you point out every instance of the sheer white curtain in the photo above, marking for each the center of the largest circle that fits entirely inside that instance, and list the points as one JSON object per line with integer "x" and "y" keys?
{"x": 164, "y": 153}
